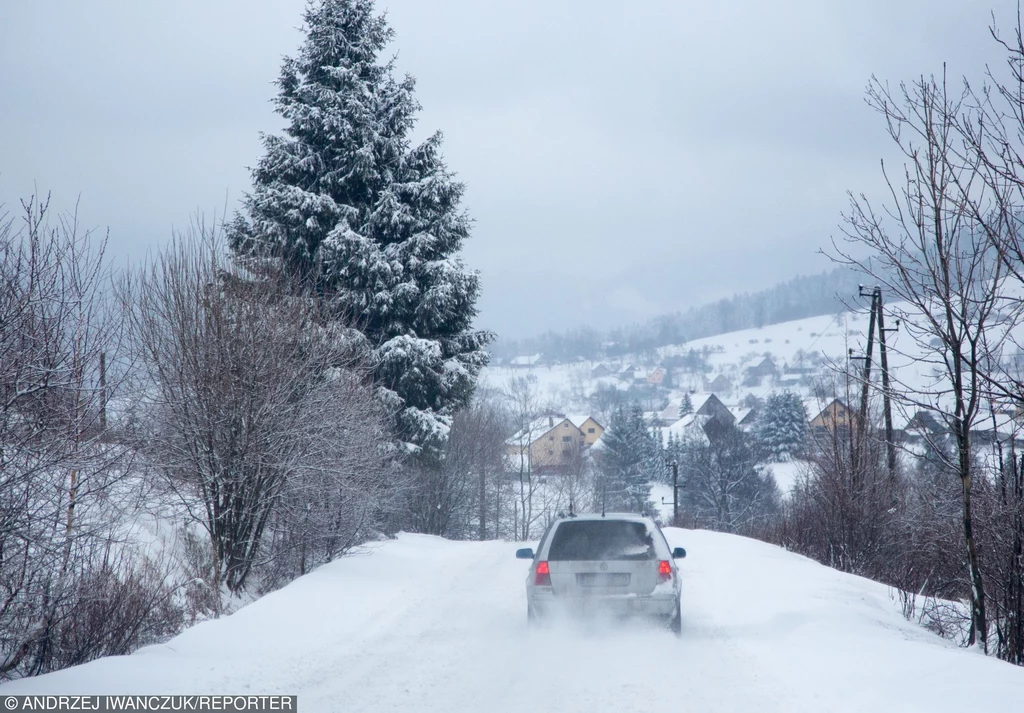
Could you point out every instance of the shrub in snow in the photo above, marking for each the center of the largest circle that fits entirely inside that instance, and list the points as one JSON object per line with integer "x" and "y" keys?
{"x": 69, "y": 589}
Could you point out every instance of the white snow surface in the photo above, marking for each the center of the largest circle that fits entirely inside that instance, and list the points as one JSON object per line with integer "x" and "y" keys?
{"x": 787, "y": 473}
{"x": 426, "y": 624}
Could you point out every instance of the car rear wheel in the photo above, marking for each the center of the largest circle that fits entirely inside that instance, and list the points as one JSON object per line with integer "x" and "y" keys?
{"x": 676, "y": 622}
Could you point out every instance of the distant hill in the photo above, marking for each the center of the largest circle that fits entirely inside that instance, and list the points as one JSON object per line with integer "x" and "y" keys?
{"x": 800, "y": 297}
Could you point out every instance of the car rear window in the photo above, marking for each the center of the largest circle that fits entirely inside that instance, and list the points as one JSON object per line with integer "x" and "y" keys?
{"x": 601, "y": 540}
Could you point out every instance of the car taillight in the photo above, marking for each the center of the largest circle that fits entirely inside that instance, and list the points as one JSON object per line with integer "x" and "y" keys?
{"x": 664, "y": 570}
{"x": 542, "y": 575}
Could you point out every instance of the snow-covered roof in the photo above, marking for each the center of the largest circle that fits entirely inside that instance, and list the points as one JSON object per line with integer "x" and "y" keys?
{"x": 815, "y": 405}
{"x": 900, "y": 420}
{"x": 689, "y": 426}
{"x": 578, "y": 420}
{"x": 698, "y": 400}
{"x": 536, "y": 428}
{"x": 1006, "y": 426}
{"x": 740, "y": 412}
{"x": 671, "y": 412}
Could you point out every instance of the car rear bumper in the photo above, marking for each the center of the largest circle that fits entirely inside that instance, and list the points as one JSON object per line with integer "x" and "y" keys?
{"x": 610, "y": 605}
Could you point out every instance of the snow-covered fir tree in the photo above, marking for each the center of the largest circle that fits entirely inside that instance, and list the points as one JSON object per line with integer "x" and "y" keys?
{"x": 630, "y": 458}
{"x": 345, "y": 201}
{"x": 781, "y": 427}
{"x": 686, "y": 407}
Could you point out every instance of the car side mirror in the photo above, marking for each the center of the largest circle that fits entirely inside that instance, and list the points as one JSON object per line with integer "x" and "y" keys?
{"x": 525, "y": 554}
{"x": 678, "y": 553}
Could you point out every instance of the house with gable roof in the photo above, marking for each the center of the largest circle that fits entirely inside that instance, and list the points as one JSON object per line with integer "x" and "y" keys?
{"x": 588, "y": 426}
{"x": 552, "y": 444}
{"x": 548, "y": 444}
{"x": 721, "y": 384}
{"x": 835, "y": 416}
{"x": 765, "y": 368}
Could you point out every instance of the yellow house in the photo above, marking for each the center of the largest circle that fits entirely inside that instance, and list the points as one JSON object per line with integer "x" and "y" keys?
{"x": 590, "y": 428}
{"x": 547, "y": 444}
{"x": 835, "y": 416}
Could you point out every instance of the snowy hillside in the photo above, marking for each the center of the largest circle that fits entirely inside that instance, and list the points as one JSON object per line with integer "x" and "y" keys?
{"x": 815, "y": 341}
{"x": 427, "y": 624}
{"x": 810, "y": 351}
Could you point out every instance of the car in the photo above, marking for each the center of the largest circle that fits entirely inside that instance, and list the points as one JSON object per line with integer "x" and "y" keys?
{"x": 614, "y": 563}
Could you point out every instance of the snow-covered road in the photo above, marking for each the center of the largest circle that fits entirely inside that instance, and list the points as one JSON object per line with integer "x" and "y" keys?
{"x": 424, "y": 624}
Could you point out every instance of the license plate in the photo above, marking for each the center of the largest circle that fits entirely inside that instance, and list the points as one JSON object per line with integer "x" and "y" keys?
{"x": 602, "y": 579}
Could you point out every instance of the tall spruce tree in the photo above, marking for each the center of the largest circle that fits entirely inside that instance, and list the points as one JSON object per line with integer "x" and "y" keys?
{"x": 346, "y": 202}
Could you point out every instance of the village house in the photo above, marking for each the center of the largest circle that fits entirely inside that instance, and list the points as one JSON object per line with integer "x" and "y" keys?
{"x": 917, "y": 429}
{"x": 552, "y": 444}
{"x": 670, "y": 414}
{"x": 711, "y": 419}
{"x": 721, "y": 384}
{"x": 713, "y": 407}
{"x": 765, "y": 368}
{"x": 656, "y": 376}
{"x": 589, "y": 427}
{"x": 835, "y": 416}
{"x": 626, "y": 371}
{"x": 549, "y": 444}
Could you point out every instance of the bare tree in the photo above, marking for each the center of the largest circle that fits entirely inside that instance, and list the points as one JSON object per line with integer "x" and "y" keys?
{"x": 993, "y": 131}
{"x": 930, "y": 251}
{"x": 60, "y": 364}
{"x": 459, "y": 494}
{"x": 254, "y": 405}
{"x": 524, "y": 408}
{"x": 724, "y": 486}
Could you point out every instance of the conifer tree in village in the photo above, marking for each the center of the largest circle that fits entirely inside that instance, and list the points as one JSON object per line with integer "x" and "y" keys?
{"x": 781, "y": 428}
{"x": 371, "y": 222}
{"x": 686, "y": 406}
{"x": 629, "y": 459}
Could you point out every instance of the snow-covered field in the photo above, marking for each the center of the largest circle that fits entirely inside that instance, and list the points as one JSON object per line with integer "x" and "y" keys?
{"x": 427, "y": 624}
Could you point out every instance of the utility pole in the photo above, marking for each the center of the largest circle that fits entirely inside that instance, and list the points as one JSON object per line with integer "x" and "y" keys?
{"x": 890, "y": 446}
{"x": 675, "y": 491}
{"x": 862, "y": 416}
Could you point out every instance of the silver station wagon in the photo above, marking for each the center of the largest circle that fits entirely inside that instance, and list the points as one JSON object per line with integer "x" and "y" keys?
{"x": 617, "y": 564}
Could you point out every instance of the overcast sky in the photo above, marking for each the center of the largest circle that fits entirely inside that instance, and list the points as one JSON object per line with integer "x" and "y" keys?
{"x": 621, "y": 159}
